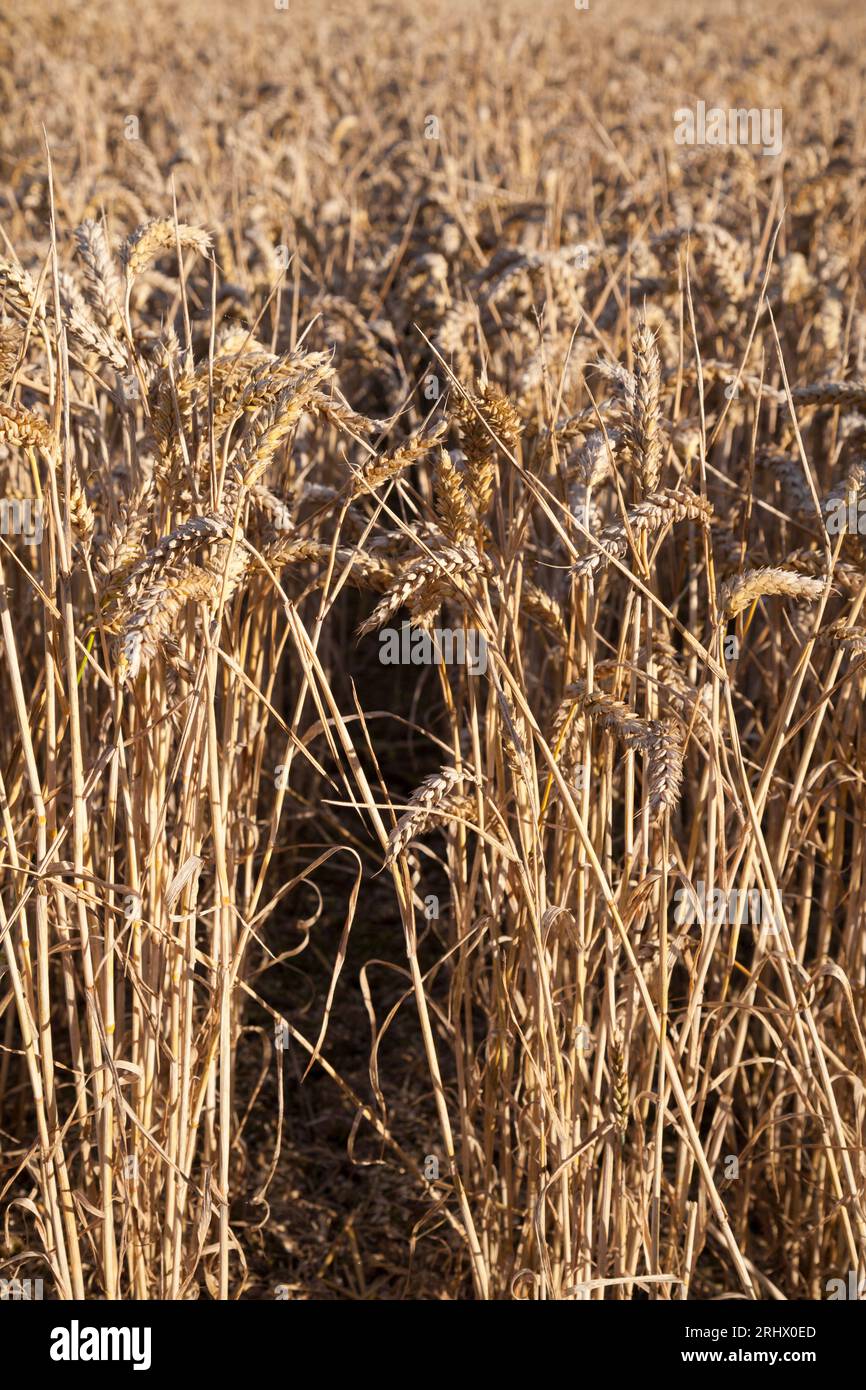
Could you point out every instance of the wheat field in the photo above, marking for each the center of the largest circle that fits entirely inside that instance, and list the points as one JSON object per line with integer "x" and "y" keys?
{"x": 432, "y": 755}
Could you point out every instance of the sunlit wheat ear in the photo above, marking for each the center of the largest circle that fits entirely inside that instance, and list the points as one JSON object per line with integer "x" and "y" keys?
{"x": 609, "y": 713}
{"x": 544, "y": 608}
{"x": 11, "y": 341}
{"x": 487, "y": 419}
{"x": 159, "y": 606}
{"x": 742, "y": 590}
{"x": 242, "y": 388}
{"x": 156, "y": 614}
{"x": 431, "y": 802}
{"x": 658, "y": 509}
{"x": 24, "y": 428}
{"x": 377, "y": 471}
{"x": 423, "y": 581}
{"x": 665, "y": 765}
{"x": 104, "y": 288}
{"x": 619, "y": 1091}
{"x": 365, "y": 571}
{"x": 154, "y": 238}
{"x": 847, "y": 639}
{"x": 172, "y": 549}
{"x": 592, "y": 463}
{"x": 850, "y": 395}
{"x": 452, "y": 500}
{"x": 643, "y": 425}
{"x": 122, "y": 549}
{"x": 19, "y": 292}
{"x": 271, "y": 425}
{"x": 276, "y": 508}
{"x": 85, "y": 332}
